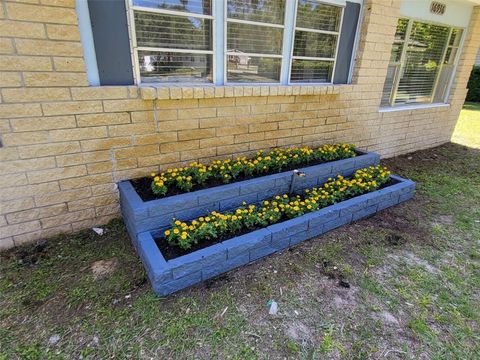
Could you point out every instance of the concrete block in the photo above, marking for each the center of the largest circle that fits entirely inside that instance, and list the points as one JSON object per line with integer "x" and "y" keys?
{"x": 173, "y": 275}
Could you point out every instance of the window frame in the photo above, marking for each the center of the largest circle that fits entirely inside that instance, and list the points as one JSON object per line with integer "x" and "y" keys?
{"x": 219, "y": 71}
{"x": 449, "y": 82}
{"x": 135, "y": 48}
{"x": 294, "y": 29}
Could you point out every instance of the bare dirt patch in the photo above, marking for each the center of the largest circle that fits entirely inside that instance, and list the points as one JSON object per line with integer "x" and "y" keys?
{"x": 103, "y": 268}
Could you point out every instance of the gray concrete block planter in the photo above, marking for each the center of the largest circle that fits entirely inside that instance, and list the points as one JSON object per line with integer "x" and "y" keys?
{"x": 140, "y": 216}
{"x": 167, "y": 277}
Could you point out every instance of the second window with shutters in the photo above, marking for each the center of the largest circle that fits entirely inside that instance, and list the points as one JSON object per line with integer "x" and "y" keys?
{"x": 421, "y": 63}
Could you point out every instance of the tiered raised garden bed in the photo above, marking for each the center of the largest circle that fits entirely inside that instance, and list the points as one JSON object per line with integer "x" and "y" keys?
{"x": 168, "y": 276}
{"x": 141, "y": 216}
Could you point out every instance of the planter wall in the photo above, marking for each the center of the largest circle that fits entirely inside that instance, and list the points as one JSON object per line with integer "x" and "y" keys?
{"x": 140, "y": 216}
{"x": 167, "y": 277}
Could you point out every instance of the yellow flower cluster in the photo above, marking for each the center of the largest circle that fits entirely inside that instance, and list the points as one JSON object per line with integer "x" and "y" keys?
{"x": 197, "y": 175}
{"x": 282, "y": 207}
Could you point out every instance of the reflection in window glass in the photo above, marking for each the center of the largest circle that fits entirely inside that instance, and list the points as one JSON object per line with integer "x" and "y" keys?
{"x": 455, "y": 38}
{"x": 314, "y": 44}
{"x": 191, "y": 6}
{"x": 315, "y": 15}
{"x": 422, "y": 71}
{"x": 242, "y": 68}
{"x": 175, "y": 67}
{"x": 401, "y": 29}
{"x": 174, "y": 48}
{"x": 254, "y": 49}
{"x": 423, "y": 57}
{"x": 266, "y": 11}
{"x": 254, "y": 39}
{"x": 396, "y": 52}
{"x": 311, "y": 71}
{"x": 167, "y": 31}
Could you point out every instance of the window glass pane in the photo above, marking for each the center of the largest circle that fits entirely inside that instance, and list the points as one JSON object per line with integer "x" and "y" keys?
{"x": 254, "y": 39}
{"x": 241, "y": 68}
{"x": 443, "y": 79}
{"x": 267, "y": 11}
{"x": 396, "y": 52}
{"x": 392, "y": 73}
{"x": 422, "y": 63}
{"x": 311, "y": 71}
{"x": 420, "y": 76}
{"x": 314, "y": 44}
{"x": 314, "y": 15}
{"x": 401, "y": 29}
{"x": 192, "y": 6}
{"x": 175, "y": 67}
{"x": 456, "y": 37}
{"x": 167, "y": 31}
{"x": 450, "y": 56}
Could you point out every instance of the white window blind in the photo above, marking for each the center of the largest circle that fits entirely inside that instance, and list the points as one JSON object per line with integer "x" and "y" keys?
{"x": 317, "y": 31}
{"x": 254, "y": 43}
{"x": 173, "y": 40}
{"x": 421, "y": 63}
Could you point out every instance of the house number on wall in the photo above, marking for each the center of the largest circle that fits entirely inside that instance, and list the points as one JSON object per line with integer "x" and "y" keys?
{"x": 437, "y": 8}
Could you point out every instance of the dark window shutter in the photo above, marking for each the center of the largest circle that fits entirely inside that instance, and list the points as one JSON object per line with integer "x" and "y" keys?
{"x": 110, "y": 35}
{"x": 347, "y": 41}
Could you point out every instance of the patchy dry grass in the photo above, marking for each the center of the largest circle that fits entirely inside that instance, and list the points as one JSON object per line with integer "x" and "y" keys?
{"x": 403, "y": 284}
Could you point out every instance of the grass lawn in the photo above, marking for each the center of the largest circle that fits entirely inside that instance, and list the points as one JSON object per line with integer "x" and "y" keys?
{"x": 467, "y": 131}
{"x": 413, "y": 274}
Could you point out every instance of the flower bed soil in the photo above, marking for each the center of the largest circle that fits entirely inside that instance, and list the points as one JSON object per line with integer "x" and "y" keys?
{"x": 143, "y": 185}
{"x": 172, "y": 252}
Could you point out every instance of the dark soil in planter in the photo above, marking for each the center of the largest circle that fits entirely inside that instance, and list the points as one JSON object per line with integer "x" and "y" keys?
{"x": 143, "y": 185}
{"x": 172, "y": 252}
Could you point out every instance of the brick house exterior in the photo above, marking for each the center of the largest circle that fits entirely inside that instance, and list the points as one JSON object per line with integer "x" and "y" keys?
{"x": 66, "y": 144}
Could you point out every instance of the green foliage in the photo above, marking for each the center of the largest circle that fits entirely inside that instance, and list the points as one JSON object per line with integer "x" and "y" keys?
{"x": 474, "y": 85}
{"x": 195, "y": 175}
{"x": 277, "y": 209}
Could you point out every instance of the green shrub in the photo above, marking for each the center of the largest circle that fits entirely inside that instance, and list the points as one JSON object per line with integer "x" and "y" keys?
{"x": 474, "y": 85}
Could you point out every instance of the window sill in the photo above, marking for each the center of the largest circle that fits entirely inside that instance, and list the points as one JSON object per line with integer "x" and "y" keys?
{"x": 412, "y": 107}
{"x": 152, "y": 92}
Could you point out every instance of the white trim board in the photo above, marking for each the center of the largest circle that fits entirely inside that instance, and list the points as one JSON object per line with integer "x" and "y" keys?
{"x": 88, "y": 46}
{"x": 457, "y": 12}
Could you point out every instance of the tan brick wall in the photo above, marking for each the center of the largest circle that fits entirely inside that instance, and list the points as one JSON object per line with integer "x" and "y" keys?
{"x": 65, "y": 144}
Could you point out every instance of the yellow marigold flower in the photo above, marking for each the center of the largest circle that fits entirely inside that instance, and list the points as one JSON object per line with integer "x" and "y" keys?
{"x": 176, "y": 231}
{"x": 207, "y": 219}
{"x": 152, "y": 174}
{"x": 178, "y": 222}
{"x": 167, "y": 232}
